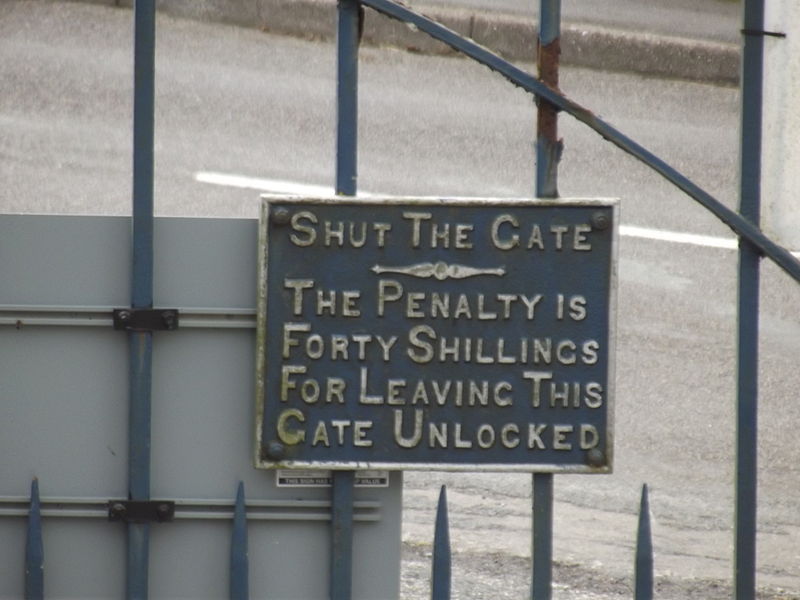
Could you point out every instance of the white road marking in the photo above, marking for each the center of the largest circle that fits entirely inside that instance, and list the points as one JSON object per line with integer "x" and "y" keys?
{"x": 279, "y": 186}
{"x": 676, "y": 237}
{"x": 273, "y": 186}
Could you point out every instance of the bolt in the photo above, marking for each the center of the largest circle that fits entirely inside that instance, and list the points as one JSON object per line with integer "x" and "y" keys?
{"x": 600, "y": 220}
{"x": 118, "y": 509}
{"x": 596, "y": 458}
{"x": 124, "y": 315}
{"x": 163, "y": 510}
{"x": 276, "y": 451}
{"x": 280, "y": 216}
{"x": 169, "y": 319}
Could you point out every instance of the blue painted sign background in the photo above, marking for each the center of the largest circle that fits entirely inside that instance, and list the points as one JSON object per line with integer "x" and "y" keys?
{"x": 451, "y": 334}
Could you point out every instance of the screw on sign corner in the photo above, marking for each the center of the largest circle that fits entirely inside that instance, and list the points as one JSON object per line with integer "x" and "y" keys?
{"x": 275, "y": 451}
{"x": 596, "y": 458}
{"x": 600, "y": 221}
{"x": 281, "y": 216}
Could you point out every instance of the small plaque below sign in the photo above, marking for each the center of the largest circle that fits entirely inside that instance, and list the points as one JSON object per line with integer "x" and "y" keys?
{"x": 313, "y": 478}
{"x": 420, "y": 333}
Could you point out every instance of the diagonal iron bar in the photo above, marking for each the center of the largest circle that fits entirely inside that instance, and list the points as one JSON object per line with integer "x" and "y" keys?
{"x": 739, "y": 224}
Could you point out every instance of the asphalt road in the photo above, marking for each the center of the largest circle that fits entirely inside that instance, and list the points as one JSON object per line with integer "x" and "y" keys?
{"x": 239, "y": 102}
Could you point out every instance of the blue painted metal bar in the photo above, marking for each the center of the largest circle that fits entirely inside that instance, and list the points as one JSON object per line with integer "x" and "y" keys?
{"x": 740, "y": 225}
{"x": 34, "y": 549}
{"x": 643, "y": 588}
{"x": 441, "y": 575}
{"x": 143, "y": 132}
{"x": 342, "y": 535}
{"x": 141, "y": 343}
{"x": 748, "y": 305}
{"x": 542, "y": 585}
{"x": 140, "y": 349}
{"x": 240, "y": 574}
{"x": 349, "y": 25}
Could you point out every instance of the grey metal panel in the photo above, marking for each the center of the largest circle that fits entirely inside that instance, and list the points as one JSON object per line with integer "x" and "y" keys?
{"x": 205, "y": 263}
{"x": 83, "y": 559}
{"x": 63, "y": 413}
{"x": 64, "y": 260}
{"x": 63, "y": 409}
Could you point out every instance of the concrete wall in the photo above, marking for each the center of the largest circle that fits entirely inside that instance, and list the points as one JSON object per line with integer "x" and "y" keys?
{"x": 781, "y": 137}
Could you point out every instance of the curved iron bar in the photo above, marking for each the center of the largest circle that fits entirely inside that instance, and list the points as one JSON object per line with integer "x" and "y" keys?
{"x": 740, "y": 226}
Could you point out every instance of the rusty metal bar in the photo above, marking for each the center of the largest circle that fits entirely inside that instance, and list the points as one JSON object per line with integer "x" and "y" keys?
{"x": 548, "y": 155}
{"x": 548, "y": 146}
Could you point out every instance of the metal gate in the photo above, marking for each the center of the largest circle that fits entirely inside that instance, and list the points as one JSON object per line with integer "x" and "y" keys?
{"x": 752, "y": 247}
{"x": 137, "y": 320}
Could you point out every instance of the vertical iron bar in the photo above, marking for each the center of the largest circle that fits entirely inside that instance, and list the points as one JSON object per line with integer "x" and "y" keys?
{"x": 644, "y": 551}
{"x": 140, "y": 350}
{"x": 143, "y": 107}
{"x": 141, "y": 343}
{"x": 349, "y": 24}
{"x": 748, "y": 304}
{"x": 239, "y": 584}
{"x": 542, "y": 585}
{"x": 548, "y": 146}
{"x": 34, "y": 549}
{"x": 440, "y": 577}
{"x": 548, "y": 154}
{"x": 342, "y": 535}
{"x": 350, "y": 15}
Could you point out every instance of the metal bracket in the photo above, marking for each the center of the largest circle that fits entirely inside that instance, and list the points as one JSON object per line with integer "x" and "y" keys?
{"x": 145, "y": 319}
{"x": 141, "y": 511}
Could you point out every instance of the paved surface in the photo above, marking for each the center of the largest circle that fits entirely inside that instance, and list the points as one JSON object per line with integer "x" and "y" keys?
{"x": 684, "y": 39}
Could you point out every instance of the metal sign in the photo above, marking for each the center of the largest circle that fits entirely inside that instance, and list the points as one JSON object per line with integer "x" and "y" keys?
{"x": 423, "y": 333}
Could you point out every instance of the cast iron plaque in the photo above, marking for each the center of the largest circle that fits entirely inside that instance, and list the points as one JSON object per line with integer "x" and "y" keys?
{"x": 418, "y": 333}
